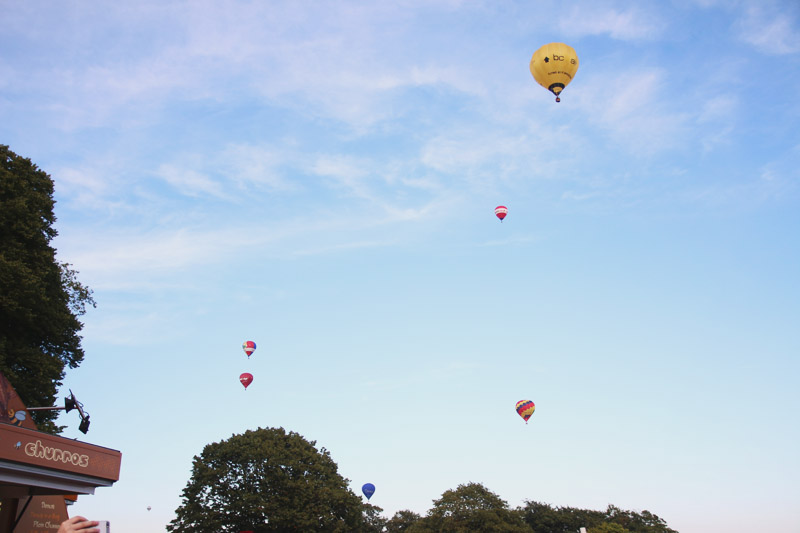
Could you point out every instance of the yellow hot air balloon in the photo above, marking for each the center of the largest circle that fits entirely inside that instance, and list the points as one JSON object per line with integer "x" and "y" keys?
{"x": 553, "y": 66}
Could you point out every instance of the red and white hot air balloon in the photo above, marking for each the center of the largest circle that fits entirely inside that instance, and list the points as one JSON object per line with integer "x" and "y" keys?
{"x": 249, "y": 347}
{"x": 500, "y": 212}
{"x": 246, "y": 379}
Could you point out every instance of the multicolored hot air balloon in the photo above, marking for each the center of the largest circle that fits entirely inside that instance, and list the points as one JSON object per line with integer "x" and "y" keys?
{"x": 368, "y": 489}
{"x": 553, "y": 66}
{"x": 249, "y": 347}
{"x": 246, "y": 379}
{"x": 500, "y": 212}
{"x": 525, "y": 409}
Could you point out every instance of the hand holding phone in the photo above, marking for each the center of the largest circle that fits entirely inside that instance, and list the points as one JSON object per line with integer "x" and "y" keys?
{"x": 79, "y": 524}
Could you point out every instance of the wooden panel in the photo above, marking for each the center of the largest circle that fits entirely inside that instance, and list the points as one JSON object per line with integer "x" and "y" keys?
{"x": 41, "y": 449}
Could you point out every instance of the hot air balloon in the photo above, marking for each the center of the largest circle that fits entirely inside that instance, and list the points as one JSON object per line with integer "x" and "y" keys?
{"x": 525, "y": 409}
{"x": 500, "y": 212}
{"x": 249, "y": 347}
{"x": 246, "y": 379}
{"x": 368, "y": 489}
{"x": 553, "y": 66}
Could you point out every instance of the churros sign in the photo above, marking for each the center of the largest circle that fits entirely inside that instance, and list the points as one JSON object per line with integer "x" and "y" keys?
{"x": 37, "y": 449}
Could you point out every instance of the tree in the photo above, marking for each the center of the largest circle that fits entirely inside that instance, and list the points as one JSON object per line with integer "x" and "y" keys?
{"x": 375, "y": 523}
{"x": 644, "y": 522}
{"x": 40, "y": 298}
{"x": 608, "y": 527}
{"x": 268, "y": 480}
{"x": 543, "y": 518}
{"x": 402, "y": 521}
{"x": 470, "y": 507}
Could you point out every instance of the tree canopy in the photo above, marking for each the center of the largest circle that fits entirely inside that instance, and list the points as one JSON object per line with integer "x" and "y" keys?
{"x": 544, "y": 518}
{"x": 269, "y": 480}
{"x": 402, "y": 521}
{"x": 40, "y": 298}
{"x": 470, "y": 507}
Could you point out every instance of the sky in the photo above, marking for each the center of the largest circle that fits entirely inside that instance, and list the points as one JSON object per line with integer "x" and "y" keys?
{"x": 321, "y": 178}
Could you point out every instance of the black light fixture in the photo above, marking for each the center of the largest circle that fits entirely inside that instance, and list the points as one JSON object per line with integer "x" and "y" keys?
{"x": 84, "y": 427}
{"x": 70, "y": 403}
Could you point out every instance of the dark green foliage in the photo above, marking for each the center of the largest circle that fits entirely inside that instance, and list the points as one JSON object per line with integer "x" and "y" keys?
{"x": 644, "y": 522}
{"x": 375, "y": 523}
{"x": 402, "y": 521}
{"x": 608, "y": 527}
{"x": 40, "y": 299}
{"x": 268, "y": 480}
{"x": 543, "y": 518}
{"x": 470, "y": 507}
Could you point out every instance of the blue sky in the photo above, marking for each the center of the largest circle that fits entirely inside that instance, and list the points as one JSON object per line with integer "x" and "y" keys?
{"x": 321, "y": 178}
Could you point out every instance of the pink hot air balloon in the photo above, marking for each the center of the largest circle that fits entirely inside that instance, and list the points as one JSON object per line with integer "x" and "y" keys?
{"x": 246, "y": 379}
{"x": 249, "y": 347}
{"x": 500, "y": 212}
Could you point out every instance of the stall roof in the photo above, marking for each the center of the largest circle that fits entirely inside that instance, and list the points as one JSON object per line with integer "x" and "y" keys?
{"x": 32, "y": 462}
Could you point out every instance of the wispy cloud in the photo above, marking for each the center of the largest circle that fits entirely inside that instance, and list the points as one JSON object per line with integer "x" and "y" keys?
{"x": 513, "y": 240}
{"x": 484, "y": 158}
{"x": 257, "y": 165}
{"x": 231, "y": 172}
{"x": 634, "y": 111}
{"x": 719, "y": 107}
{"x": 338, "y": 63}
{"x": 347, "y": 173}
{"x": 772, "y": 29}
{"x": 135, "y": 257}
{"x": 631, "y": 24}
{"x": 335, "y": 248}
{"x": 717, "y": 118}
{"x": 190, "y": 182}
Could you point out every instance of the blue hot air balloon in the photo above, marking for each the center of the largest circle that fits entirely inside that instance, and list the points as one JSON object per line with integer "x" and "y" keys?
{"x": 368, "y": 489}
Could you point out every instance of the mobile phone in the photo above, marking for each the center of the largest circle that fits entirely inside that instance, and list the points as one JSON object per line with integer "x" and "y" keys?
{"x": 104, "y": 526}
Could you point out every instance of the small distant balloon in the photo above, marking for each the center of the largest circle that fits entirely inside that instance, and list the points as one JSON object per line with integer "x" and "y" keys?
{"x": 368, "y": 489}
{"x": 148, "y": 507}
{"x": 246, "y": 379}
{"x": 500, "y": 212}
{"x": 249, "y": 347}
{"x": 525, "y": 409}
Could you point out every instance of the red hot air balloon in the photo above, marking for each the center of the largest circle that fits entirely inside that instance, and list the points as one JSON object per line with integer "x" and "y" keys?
{"x": 249, "y": 347}
{"x": 246, "y": 379}
{"x": 500, "y": 212}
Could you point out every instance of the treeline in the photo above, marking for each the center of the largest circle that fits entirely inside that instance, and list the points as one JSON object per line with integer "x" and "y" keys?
{"x": 473, "y": 507}
{"x": 271, "y": 480}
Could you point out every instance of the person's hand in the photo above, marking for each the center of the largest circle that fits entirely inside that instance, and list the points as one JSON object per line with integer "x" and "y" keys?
{"x": 78, "y": 524}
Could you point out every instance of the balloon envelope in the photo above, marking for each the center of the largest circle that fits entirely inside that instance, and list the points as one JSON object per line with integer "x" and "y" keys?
{"x": 553, "y": 66}
{"x": 246, "y": 379}
{"x": 368, "y": 489}
{"x": 500, "y": 212}
{"x": 249, "y": 347}
{"x": 525, "y": 409}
